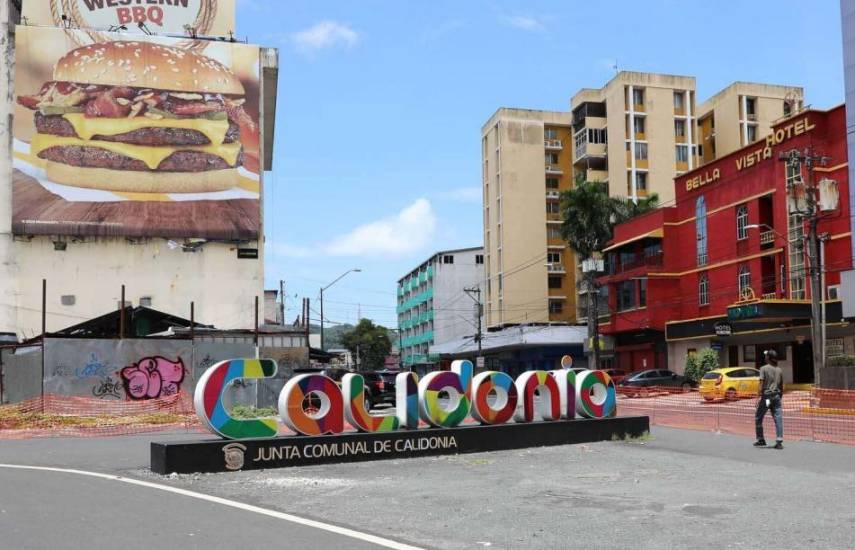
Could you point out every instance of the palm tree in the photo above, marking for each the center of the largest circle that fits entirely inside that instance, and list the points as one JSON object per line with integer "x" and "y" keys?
{"x": 624, "y": 208}
{"x": 589, "y": 218}
{"x": 587, "y": 211}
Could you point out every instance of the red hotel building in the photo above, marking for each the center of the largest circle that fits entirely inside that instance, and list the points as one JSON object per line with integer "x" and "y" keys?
{"x": 725, "y": 265}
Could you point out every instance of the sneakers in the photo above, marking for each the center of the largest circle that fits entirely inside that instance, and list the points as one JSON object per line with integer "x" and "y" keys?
{"x": 779, "y": 445}
{"x": 760, "y": 443}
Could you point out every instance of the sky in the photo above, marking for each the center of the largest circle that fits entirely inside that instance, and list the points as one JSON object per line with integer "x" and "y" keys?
{"x": 381, "y": 102}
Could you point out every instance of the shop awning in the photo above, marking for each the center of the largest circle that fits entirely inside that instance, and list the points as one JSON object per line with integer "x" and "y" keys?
{"x": 655, "y": 234}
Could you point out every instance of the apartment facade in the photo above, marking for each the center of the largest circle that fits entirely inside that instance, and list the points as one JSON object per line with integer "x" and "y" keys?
{"x": 529, "y": 271}
{"x": 743, "y": 113}
{"x": 725, "y": 267}
{"x": 636, "y": 133}
{"x": 433, "y": 307}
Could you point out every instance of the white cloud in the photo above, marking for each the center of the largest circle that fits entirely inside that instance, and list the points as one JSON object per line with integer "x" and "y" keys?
{"x": 408, "y": 231}
{"x": 326, "y": 34}
{"x": 463, "y": 194}
{"x": 524, "y": 22}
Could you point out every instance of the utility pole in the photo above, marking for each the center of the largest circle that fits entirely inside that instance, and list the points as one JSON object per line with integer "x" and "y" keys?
{"x": 590, "y": 268}
{"x": 475, "y": 294}
{"x": 281, "y": 302}
{"x": 803, "y": 200}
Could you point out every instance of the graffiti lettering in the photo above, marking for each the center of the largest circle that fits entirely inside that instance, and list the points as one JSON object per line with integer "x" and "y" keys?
{"x": 108, "y": 389}
{"x": 93, "y": 369}
{"x": 206, "y": 362}
{"x": 153, "y": 377}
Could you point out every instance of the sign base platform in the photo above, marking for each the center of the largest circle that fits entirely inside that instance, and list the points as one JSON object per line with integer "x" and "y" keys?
{"x": 219, "y": 455}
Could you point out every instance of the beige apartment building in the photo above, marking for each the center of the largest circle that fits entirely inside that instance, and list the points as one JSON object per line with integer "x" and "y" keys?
{"x": 636, "y": 134}
{"x": 526, "y": 163}
{"x": 743, "y": 113}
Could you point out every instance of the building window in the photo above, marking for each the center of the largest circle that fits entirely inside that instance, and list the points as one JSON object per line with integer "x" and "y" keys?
{"x": 67, "y": 299}
{"x": 553, "y": 257}
{"x": 744, "y": 280}
{"x": 555, "y": 282}
{"x": 641, "y": 181}
{"x": 553, "y": 232}
{"x": 551, "y": 158}
{"x": 742, "y": 222}
{"x": 556, "y": 306}
{"x": 638, "y": 97}
{"x": 550, "y": 133}
{"x": 642, "y": 292}
{"x": 639, "y": 125}
{"x": 552, "y": 183}
{"x": 680, "y": 128}
{"x": 701, "y": 230}
{"x": 703, "y": 289}
{"x": 552, "y": 208}
{"x": 145, "y": 301}
{"x": 751, "y": 133}
{"x": 678, "y": 101}
{"x": 625, "y": 295}
{"x": 448, "y": 259}
{"x": 479, "y": 259}
{"x": 640, "y": 151}
{"x": 793, "y": 172}
{"x": 682, "y": 153}
{"x": 795, "y": 236}
{"x": 751, "y": 107}
{"x": 596, "y": 135}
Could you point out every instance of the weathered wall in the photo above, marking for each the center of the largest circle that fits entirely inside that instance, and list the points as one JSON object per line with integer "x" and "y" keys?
{"x": 21, "y": 370}
{"x": 7, "y": 70}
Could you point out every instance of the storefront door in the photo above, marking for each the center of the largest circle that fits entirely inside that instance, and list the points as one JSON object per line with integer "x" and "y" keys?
{"x": 802, "y": 363}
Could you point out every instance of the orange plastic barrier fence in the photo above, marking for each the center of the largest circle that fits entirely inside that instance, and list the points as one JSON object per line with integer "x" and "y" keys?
{"x": 819, "y": 415}
{"x": 53, "y": 415}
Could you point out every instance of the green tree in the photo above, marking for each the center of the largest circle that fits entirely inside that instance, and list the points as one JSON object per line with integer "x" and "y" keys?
{"x": 587, "y": 213}
{"x": 700, "y": 363}
{"x": 589, "y": 216}
{"x": 369, "y": 343}
{"x": 624, "y": 208}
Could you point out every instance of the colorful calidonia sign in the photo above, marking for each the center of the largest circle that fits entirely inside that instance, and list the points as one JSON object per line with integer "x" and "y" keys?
{"x": 489, "y": 398}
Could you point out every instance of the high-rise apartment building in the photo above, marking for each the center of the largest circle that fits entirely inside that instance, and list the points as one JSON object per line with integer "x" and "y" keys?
{"x": 635, "y": 134}
{"x": 433, "y": 307}
{"x": 743, "y": 113}
{"x": 526, "y": 163}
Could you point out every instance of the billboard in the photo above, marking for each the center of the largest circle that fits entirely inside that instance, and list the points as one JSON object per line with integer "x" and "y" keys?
{"x": 135, "y": 136}
{"x": 202, "y": 17}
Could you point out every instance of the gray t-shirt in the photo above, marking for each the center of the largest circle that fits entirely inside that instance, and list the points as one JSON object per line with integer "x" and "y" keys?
{"x": 771, "y": 379}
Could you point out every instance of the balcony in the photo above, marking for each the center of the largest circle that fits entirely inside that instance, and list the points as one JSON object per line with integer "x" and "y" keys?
{"x": 634, "y": 261}
{"x": 555, "y": 267}
{"x": 554, "y": 169}
{"x": 553, "y": 195}
{"x": 552, "y": 144}
{"x": 767, "y": 238}
{"x": 586, "y": 152}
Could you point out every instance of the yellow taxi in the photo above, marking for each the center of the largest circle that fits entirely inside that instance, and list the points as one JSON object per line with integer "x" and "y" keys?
{"x": 730, "y": 383}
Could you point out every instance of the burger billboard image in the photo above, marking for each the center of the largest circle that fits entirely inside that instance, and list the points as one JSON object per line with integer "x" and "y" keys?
{"x": 135, "y": 136}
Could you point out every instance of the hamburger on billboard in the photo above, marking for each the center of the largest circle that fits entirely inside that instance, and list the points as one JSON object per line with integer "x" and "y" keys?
{"x": 135, "y": 137}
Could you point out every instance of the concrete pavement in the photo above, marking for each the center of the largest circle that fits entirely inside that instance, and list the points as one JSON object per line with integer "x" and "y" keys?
{"x": 680, "y": 488}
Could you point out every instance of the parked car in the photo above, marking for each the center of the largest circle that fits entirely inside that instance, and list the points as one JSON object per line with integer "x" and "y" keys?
{"x": 730, "y": 383}
{"x": 616, "y": 374}
{"x": 637, "y": 383}
{"x": 379, "y": 387}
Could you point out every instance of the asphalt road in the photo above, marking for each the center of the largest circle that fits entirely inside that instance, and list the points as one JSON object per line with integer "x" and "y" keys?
{"x": 679, "y": 489}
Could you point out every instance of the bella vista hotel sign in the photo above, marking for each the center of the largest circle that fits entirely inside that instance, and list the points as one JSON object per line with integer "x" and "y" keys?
{"x": 748, "y": 160}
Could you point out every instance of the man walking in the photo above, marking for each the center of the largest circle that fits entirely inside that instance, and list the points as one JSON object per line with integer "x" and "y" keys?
{"x": 771, "y": 389}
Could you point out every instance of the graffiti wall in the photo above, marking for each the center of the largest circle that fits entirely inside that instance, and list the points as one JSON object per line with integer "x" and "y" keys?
{"x": 131, "y": 369}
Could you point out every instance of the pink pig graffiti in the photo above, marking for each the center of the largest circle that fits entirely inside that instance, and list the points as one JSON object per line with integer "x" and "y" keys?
{"x": 153, "y": 377}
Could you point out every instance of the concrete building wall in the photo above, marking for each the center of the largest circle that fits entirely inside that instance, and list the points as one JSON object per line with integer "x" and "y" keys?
{"x": 727, "y": 109}
{"x": 515, "y": 215}
{"x": 454, "y": 312}
{"x": 7, "y": 70}
{"x": 222, "y": 286}
{"x": 847, "y": 16}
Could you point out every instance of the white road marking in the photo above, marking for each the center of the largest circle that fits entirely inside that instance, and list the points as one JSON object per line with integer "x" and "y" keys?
{"x": 344, "y": 531}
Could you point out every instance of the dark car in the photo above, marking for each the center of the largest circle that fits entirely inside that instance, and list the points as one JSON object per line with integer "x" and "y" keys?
{"x": 635, "y": 384}
{"x": 379, "y": 387}
{"x": 616, "y": 374}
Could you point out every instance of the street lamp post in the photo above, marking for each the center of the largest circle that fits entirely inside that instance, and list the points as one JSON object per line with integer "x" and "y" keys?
{"x": 337, "y": 279}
